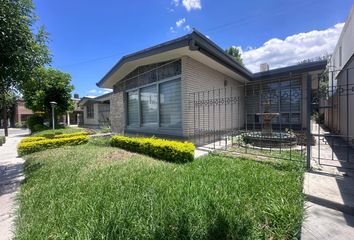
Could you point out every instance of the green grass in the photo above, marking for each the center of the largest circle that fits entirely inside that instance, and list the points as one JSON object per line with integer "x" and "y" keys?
{"x": 95, "y": 191}
{"x": 61, "y": 130}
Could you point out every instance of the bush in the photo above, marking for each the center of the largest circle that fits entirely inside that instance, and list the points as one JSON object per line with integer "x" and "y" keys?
{"x": 171, "y": 151}
{"x": 30, "y": 147}
{"x": 52, "y": 136}
{"x": 22, "y": 124}
{"x": 35, "y": 123}
{"x": 2, "y": 140}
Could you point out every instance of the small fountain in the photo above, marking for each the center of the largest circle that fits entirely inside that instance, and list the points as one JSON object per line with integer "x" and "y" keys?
{"x": 267, "y": 138}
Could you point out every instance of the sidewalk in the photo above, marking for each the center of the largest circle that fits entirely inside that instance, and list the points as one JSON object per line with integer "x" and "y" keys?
{"x": 329, "y": 190}
{"x": 11, "y": 175}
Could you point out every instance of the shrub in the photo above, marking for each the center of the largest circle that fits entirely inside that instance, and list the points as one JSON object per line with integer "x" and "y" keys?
{"x": 30, "y": 147}
{"x": 2, "y": 140}
{"x": 52, "y": 136}
{"x": 35, "y": 123}
{"x": 172, "y": 151}
{"x": 22, "y": 124}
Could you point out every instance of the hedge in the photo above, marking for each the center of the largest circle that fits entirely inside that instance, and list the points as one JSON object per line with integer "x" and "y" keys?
{"x": 171, "y": 151}
{"x": 52, "y": 136}
{"x": 30, "y": 147}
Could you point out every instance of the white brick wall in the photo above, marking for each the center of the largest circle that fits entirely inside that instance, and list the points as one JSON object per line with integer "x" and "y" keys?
{"x": 197, "y": 77}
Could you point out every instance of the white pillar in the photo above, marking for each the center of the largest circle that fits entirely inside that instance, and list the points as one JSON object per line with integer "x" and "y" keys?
{"x": 68, "y": 118}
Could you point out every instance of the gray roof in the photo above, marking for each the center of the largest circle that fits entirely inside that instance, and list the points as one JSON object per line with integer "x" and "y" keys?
{"x": 294, "y": 69}
{"x": 198, "y": 42}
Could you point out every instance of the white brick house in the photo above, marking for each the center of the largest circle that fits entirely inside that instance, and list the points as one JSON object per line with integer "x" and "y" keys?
{"x": 153, "y": 88}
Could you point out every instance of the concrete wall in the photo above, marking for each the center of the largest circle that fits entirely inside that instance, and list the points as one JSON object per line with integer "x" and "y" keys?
{"x": 346, "y": 101}
{"x": 344, "y": 48}
{"x": 197, "y": 77}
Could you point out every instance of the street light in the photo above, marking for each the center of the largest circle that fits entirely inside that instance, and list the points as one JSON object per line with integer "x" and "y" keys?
{"x": 53, "y": 104}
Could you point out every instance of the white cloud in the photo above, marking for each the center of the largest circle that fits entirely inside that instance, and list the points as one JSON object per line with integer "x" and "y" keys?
{"x": 99, "y": 91}
{"x": 175, "y": 3}
{"x": 192, "y": 4}
{"x": 172, "y": 30}
{"x": 188, "y": 4}
{"x": 180, "y": 22}
{"x": 187, "y": 28}
{"x": 284, "y": 52}
{"x": 93, "y": 91}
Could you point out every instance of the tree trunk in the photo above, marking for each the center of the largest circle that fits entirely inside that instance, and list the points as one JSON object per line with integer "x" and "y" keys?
{"x": 6, "y": 130}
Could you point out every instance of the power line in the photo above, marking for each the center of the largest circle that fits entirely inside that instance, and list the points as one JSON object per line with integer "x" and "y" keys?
{"x": 92, "y": 60}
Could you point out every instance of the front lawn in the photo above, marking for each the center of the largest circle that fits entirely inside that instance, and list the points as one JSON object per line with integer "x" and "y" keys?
{"x": 99, "y": 192}
{"x": 66, "y": 130}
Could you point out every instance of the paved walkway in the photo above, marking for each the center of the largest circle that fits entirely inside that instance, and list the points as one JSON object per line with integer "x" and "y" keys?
{"x": 11, "y": 168}
{"x": 329, "y": 189}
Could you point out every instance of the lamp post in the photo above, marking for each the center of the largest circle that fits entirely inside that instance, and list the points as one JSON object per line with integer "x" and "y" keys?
{"x": 53, "y": 104}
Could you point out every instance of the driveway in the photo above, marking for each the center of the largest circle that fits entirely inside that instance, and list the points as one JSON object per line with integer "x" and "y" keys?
{"x": 11, "y": 167}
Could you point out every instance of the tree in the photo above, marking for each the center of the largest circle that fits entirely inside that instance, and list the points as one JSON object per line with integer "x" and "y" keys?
{"x": 22, "y": 50}
{"x": 46, "y": 86}
{"x": 235, "y": 53}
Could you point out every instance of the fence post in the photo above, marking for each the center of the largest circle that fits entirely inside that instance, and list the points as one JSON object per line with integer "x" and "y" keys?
{"x": 308, "y": 121}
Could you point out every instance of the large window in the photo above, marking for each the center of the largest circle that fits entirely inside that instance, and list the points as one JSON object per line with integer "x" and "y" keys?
{"x": 148, "y": 99}
{"x": 133, "y": 108}
{"x": 90, "y": 111}
{"x": 159, "y": 106}
{"x": 170, "y": 104}
{"x": 279, "y": 97}
{"x": 154, "y": 96}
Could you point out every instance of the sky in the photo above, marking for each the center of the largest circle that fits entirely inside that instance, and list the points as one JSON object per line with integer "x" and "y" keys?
{"x": 88, "y": 37}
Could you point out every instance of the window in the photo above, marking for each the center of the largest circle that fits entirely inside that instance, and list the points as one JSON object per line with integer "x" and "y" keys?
{"x": 154, "y": 100}
{"x": 90, "y": 111}
{"x": 133, "y": 108}
{"x": 170, "y": 104}
{"x": 148, "y": 99}
{"x": 282, "y": 97}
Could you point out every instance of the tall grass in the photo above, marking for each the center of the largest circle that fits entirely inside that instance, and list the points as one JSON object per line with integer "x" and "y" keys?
{"x": 99, "y": 192}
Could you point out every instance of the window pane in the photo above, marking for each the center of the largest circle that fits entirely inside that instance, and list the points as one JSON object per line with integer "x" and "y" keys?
{"x": 90, "y": 111}
{"x": 170, "y": 104}
{"x": 133, "y": 106}
{"x": 148, "y": 97}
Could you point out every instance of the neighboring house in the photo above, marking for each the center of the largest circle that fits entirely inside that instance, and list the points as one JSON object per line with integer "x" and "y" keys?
{"x": 74, "y": 117}
{"x": 339, "y": 116}
{"x": 153, "y": 89}
{"x": 21, "y": 112}
{"x": 96, "y": 112}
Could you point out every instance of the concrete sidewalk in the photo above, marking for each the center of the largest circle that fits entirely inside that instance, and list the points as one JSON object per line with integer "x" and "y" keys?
{"x": 11, "y": 167}
{"x": 330, "y": 204}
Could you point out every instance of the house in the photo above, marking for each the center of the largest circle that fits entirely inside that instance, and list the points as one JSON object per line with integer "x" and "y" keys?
{"x": 74, "y": 117}
{"x": 339, "y": 114}
{"x": 96, "y": 112}
{"x": 19, "y": 114}
{"x": 172, "y": 89}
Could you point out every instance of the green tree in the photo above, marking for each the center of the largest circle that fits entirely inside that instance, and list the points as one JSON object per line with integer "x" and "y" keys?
{"x": 46, "y": 86}
{"x": 235, "y": 53}
{"x": 22, "y": 49}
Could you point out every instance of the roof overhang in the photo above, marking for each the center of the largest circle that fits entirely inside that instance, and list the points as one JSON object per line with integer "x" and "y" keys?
{"x": 316, "y": 66}
{"x": 194, "y": 45}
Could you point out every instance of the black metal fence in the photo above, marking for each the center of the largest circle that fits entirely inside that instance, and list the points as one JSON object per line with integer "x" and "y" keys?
{"x": 264, "y": 119}
{"x": 334, "y": 119}
{"x": 298, "y": 117}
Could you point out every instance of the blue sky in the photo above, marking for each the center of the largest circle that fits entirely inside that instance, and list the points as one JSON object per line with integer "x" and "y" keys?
{"x": 88, "y": 37}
